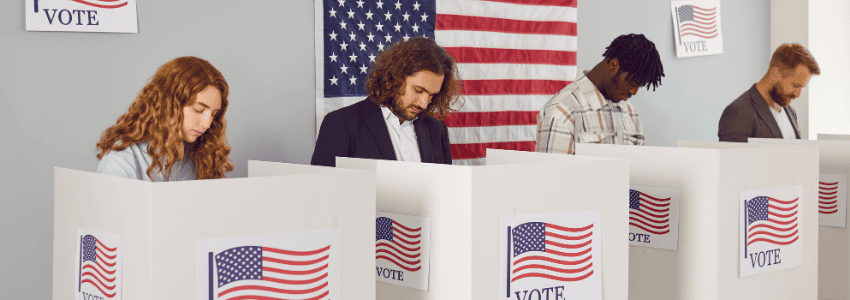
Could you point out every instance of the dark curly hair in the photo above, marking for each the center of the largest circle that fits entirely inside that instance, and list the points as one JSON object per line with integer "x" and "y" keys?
{"x": 638, "y": 57}
{"x": 157, "y": 114}
{"x": 404, "y": 58}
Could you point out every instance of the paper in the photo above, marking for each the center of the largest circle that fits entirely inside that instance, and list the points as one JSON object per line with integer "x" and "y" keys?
{"x": 99, "y": 261}
{"x": 82, "y": 15}
{"x": 771, "y": 230}
{"x": 402, "y": 250}
{"x": 553, "y": 255}
{"x": 654, "y": 217}
{"x": 832, "y": 200}
{"x": 300, "y": 265}
{"x": 696, "y": 27}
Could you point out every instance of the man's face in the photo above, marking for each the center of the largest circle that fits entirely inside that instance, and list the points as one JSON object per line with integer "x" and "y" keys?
{"x": 416, "y": 94}
{"x": 789, "y": 87}
{"x": 621, "y": 87}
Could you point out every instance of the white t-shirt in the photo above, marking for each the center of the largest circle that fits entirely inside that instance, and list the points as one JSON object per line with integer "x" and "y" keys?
{"x": 782, "y": 119}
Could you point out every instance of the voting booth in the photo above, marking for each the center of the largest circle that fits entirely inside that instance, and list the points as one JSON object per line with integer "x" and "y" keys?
{"x": 160, "y": 230}
{"x": 465, "y": 205}
{"x": 833, "y": 236}
{"x": 710, "y": 178}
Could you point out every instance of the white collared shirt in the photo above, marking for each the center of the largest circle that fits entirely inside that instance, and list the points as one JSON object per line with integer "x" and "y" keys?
{"x": 403, "y": 137}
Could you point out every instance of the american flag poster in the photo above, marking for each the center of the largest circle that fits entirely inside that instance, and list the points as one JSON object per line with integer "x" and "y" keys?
{"x": 832, "y": 200}
{"x": 654, "y": 217}
{"x": 555, "y": 254}
{"x": 771, "y": 230}
{"x": 295, "y": 266}
{"x": 99, "y": 265}
{"x": 696, "y": 27}
{"x": 512, "y": 56}
{"x": 402, "y": 250}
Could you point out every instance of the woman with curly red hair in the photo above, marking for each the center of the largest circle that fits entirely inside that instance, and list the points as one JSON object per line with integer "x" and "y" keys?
{"x": 174, "y": 130}
{"x": 412, "y": 86}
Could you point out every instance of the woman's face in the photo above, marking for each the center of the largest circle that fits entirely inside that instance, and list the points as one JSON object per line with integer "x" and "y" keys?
{"x": 199, "y": 115}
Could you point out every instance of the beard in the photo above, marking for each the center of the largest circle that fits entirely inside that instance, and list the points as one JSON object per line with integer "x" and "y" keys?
{"x": 781, "y": 99}
{"x": 403, "y": 112}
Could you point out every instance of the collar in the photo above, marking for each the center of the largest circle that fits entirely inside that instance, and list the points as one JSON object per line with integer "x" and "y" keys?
{"x": 591, "y": 93}
{"x": 392, "y": 118}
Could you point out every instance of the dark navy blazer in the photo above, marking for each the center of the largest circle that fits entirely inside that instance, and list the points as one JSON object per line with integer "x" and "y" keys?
{"x": 359, "y": 131}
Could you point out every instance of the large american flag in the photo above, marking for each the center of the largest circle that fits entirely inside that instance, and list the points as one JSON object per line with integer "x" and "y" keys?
{"x": 398, "y": 244}
{"x": 98, "y": 265}
{"x": 827, "y": 197}
{"x": 549, "y": 251}
{"x": 772, "y": 221}
{"x": 697, "y": 21}
{"x": 649, "y": 213}
{"x": 253, "y": 272}
{"x": 512, "y": 55}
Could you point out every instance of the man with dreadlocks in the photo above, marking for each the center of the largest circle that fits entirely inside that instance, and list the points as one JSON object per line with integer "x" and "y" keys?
{"x": 593, "y": 109}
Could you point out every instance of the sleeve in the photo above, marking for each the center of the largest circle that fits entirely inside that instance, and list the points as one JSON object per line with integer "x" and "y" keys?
{"x": 114, "y": 164}
{"x": 734, "y": 126}
{"x": 447, "y": 149}
{"x": 334, "y": 140}
{"x": 555, "y": 128}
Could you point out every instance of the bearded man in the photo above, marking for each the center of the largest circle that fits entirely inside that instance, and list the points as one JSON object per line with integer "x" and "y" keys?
{"x": 763, "y": 111}
{"x": 413, "y": 85}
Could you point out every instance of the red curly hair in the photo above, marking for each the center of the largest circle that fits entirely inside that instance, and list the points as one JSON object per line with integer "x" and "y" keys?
{"x": 404, "y": 58}
{"x": 156, "y": 117}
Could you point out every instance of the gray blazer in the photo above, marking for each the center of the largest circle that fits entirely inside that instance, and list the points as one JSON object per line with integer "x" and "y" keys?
{"x": 748, "y": 116}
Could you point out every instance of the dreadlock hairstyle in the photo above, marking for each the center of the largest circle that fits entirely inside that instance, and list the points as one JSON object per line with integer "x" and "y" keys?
{"x": 638, "y": 57}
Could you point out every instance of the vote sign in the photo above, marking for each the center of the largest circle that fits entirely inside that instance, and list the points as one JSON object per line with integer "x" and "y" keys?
{"x": 771, "y": 230}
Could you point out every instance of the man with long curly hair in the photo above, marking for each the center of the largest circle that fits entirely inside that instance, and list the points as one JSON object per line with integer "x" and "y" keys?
{"x": 174, "y": 130}
{"x": 593, "y": 109}
{"x": 412, "y": 86}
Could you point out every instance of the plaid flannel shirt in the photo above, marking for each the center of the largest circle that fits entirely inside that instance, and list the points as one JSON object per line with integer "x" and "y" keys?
{"x": 578, "y": 113}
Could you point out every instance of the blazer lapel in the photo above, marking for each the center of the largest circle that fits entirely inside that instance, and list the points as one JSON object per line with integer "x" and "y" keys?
{"x": 764, "y": 112}
{"x": 423, "y": 139}
{"x": 376, "y": 124}
{"x": 792, "y": 115}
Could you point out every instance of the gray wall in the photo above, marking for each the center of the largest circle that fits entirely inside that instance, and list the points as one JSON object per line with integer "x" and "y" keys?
{"x": 59, "y": 91}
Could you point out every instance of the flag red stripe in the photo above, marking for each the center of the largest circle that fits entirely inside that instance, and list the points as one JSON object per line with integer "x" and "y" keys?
{"x": 405, "y": 227}
{"x": 771, "y": 234}
{"x": 296, "y": 253}
{"x": 98, "y": 287}
{"x": 698, "y": 28}
{"x": 827, "y": 207}
{"x": 828, "y": 193}
{"x": 828, "y": 198}
{"x": 296, "y": 282}
{"x": 390, "y": 259}
{"x": 781, "y": 222}
{"x": 782, "y": 209}
{"x": 654, "y": 203}
{"x": 644, "y": 214}
{"x": 271, "y": 289}
{"x": 562, "y": 3}
{"x": 655, "y": 210}
{"x": 475, "y": 23}
{"x": 569, "y": 229}
{"x": 397, "y": 250}
{"x": 699, "y": 35}
{"x": 570, "y": 238}
{"x": 829, "y": 212}
{"x": 254, "y": 297}
{"x": 91, "y": 275}
{"x": 552, "y": 260}
{"x": 393, "y": 254}
{"x": 493, "y": 118}
{"x": 295, "y": 262}
{"x": 772, "y": 227}
{"x": 547, "y": 276}
{"x": 101, "y": 268}
{"x": 781, "y": 215}
{"x": 100, "y": 258}
{"x": 512, "y": 56}
{"x": 98, "y": 273}
{"x": 513, "y": 86}
{"x": 559, "y": 270}
{"x": 399, "y": 245}
{"x": 647, "y": 224}
{"x": 567, "y": 246}
{"x": 706, "y": 9}
{"x": 100, "y": 251}
{"x": 829, "y": 188}
{"x": 399, "y": 238}
{"x": 698, "y": 22}
{"x": 772, "y": 241}
{"x": 828, "y": 183}
{"x": 783, "y": 202}
{"x": 695, "y": 31}
{"x": 100, "y": 5}
{"x": 649, "y": 230}
{"x": 410, "y": 236}
{"x": 828, "y": 202}
{"x": 559, "y": 253}
{"x": 478, "y": 150}
{"x": 104, "y": 246}
{"x": 653, "y": 198}
{"x": 290, "y": 272}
